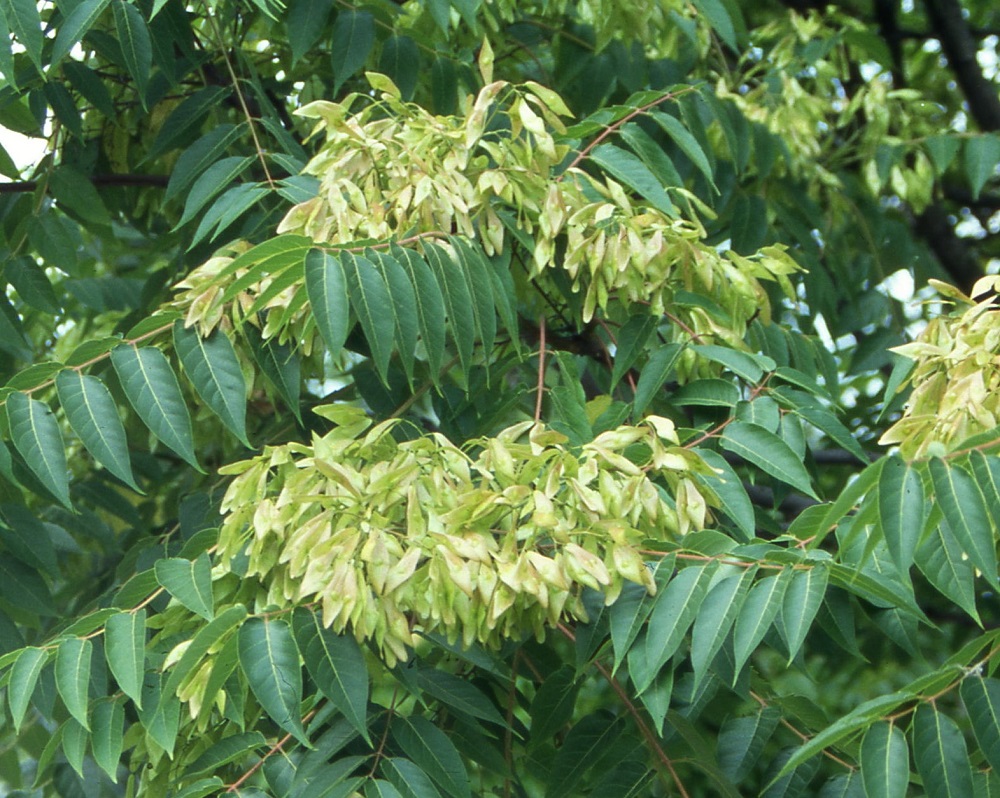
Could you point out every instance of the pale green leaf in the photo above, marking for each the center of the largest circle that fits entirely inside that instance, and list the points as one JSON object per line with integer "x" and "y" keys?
{"x": 24, "y": 675}
{"x": 125, "y": 650}
{"x": 201, "y": 788}
{"x": 432, "y": 750}
{"x": 190, "y": 582}
{"x": 214, "y": 370}
{"x": 981, "y": 697}
{"x": 353, "y": 39}
{"x": 93, "y": 415}
{"x": 36, "y": 436}
{"x": 73, "y": 657}
{"x": 885, "y": 761}
{"x": 768, "y": 452}
{"x": 107, "y": 739}
{"x": 326, "y": 287}
{"x": 270, "y": 661}
{"x": 901, "y": 510}
{"x": 152, "y": 389}
{"x": 940, "y": 753}
{"x": 965, "y": 511}
{"x": 377, "y": 788}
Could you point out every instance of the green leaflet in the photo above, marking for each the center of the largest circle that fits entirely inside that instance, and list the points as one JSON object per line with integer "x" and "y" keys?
{"x": 584, "y": 746}
{"x": 885, "y": 761}
{"x": 270, "y": 659}
{"x": 552, "y": 706}
{"x": 458, "y": 301}
{"x": 687, "y": 143}
{"x": 940, "y": 753}
{"x": 742, "y": 739}
{"x": 403, "y": 301}
{"x": 901, "y": 510}
{"x": 459, "y": 694}
{"x": 74, "y": 743}
{"x": 73, "y": 658}
{"x": 409, "y": 779}
{"x": 801, "y": 602}
{"x": 377, "y": 788}
{"x": 160, "y": 713}
{"x": 940, "y": 559}
{"x": 35, "y": 433}
{"x": 372, "y": 304}
{"x": 633, "y": 173}
{"x": 743, "y": 364}
{"x": 226, "y": 750}
{"x": 199, "y": 156}
{"x": 432, "y": 750}
{"x": 673, "y": 613}
{"x": 732, "y": 495}
{"x": 280, "y": 364}
{"x": 630, "y": 343}
{"x": 761, "y": 607}
{"x": 214, "y": 370}
{"x": 210, "y": 183}
{"x": 31, "y": 284}
{"x": 93, "y": 415}
{"x": 337, "y": 665}
{"x": 236, "y": 201}
{"x": 207, "y": 636}
{"x": 186, "y": 118}
{"x": 715, "y": 11}
{"x": 716, "y": 617}
{"x": 653, "y": 375}
{"x": 428, "y": 304}
{"x": 24, "y": 675}
{"x": 190, "y": 582}
{"x": 306, "y": 20}
{"x": 152, "y": 389}
{"x": 353, "y": 39}
{"x": 125, "y": 651}
{"x": 25, "y": 23}
{"x": 400, "y": 60}
{"x": 965, "y": 511}
{"x": 326, "y": 287}
{"x": 24, "y": 587}
{"x": 981, "y": 697}
{"x": 80, "y": 20}
{"x": 137, "y": 49}
{"x": 768, "y": 452}
{"x": 980, "y": 154}
{"x": 107, "y": 738}
{"x": 477, "y": 276}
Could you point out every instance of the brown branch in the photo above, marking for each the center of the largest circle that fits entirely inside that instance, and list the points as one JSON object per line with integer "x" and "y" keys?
{"x": 99, "y": 181}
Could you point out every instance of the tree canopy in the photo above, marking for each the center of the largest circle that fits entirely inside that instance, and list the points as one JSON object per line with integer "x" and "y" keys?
{"x": 451, "y": 398}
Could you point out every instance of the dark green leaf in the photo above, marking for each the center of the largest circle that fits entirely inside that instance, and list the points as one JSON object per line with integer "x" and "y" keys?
{"x": 25, "y": 23}
{"x": 136, "y": 47}
{"x": 80, "y": 20}
{"x": 584, "y": 745}
{"x": 73, "y": 658}
{"x": 716, "y": 617}
{"x": 190, "y": 582}
{"x": 901, "y": 510}
{"x": 372, "y": 305}
{"x": 434, "y": 753}
{"x": 125, "y": 650}
{"x": 761, "y": 607}
{"x": 981, "y": 697}
{"x": 801, "y": 602}
{"x": 728, "y": 487}
{"x": 687, "y": 143}
{"x": 634, "y": 174}
{"x": 458, "y": 301}
{"x": 199, "y": 156}
{"x": 940, "y": 559}
{"x": 226, "y": 750}
{"x": 401, "y": 62}
{"x": 885, "y": 761}
{"x": 75, "y": 193}
{"x": 653, "y": 375}
{"x": 552, "y": 706}
{"x": 214, "y": 370}
{"x": 35, "y": 433}
{"x": 24, "y": 675}
{"x": 768, "y": 452}
{"x": 93, "y": 415}
{"x": 353, "y": 39}
{"x": 965, "y": 511}
{"x": 409, "y": 779}
{"x": 403, "y": 305}
{"x": 215, "y": 179}
{"x": 270, "y": 660}
{"x": 458, "y": 694}
{"x": 429, "y": 305}
{"x": 152, "y": 389}
{"x": 940, "y": 753}
{"x": 24, "y": 587}
{"x": 981, "y": 153}
{"x": 326, "y": 286}
{"x": 107, "y": 739}
{"x": 742, "y": 739}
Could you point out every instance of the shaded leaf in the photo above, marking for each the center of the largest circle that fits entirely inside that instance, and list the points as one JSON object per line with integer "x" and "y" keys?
{"x": 742, "y": 739}
{"x": 136, "y": 47}
{"x": 458, "y": 301}
{"x": 434, "y": 753}
{"x": 981, "y": 697}
{"x": 78, "y": 21}
{"x": 353, "y": 39}
{"x": 653, "y": 375}
{"x": 36, "y": 436}
{"x": 428, "y": 303}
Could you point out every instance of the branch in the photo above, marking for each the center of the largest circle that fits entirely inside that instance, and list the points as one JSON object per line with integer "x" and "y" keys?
{"x": 961, "y": 47}
{"x": 99, "y": 181}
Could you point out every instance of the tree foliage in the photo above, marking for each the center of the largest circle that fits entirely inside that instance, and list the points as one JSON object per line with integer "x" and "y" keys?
{"x": 452, "y": 398}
